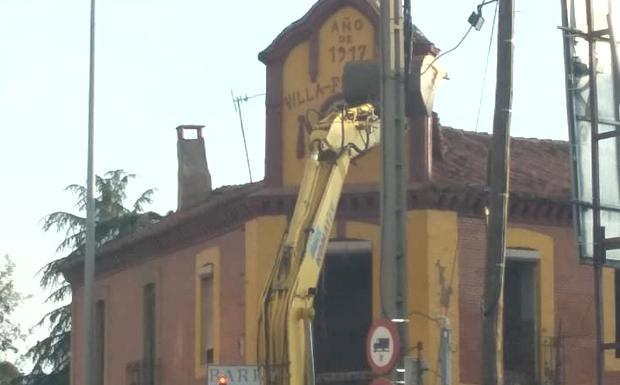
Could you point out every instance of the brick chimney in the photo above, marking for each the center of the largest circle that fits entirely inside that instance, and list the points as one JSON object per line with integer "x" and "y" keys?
{"x": 193, "y": 177}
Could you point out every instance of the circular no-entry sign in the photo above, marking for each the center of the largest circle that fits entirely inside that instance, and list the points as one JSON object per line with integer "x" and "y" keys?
{"x": 382, "y": 346}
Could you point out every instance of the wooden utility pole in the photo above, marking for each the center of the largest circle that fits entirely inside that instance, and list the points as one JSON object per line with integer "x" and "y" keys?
{"x": 499, "y": 170}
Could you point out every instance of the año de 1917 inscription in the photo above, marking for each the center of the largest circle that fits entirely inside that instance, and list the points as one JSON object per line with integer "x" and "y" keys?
{"x": 346, "y": 48}
{"x": 345, "y": 45}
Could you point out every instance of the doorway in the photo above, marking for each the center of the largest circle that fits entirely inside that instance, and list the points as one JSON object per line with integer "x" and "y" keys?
{"x": 343, "y": 314}
{"x": 520, "y": 319}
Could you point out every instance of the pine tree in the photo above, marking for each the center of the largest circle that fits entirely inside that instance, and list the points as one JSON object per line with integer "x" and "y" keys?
{"x": 113, "y": 220}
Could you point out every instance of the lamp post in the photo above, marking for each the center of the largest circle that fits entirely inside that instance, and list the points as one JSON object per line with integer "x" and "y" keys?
{"x": 89, "y": 255}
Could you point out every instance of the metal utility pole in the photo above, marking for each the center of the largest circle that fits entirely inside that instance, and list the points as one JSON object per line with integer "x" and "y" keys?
{"x": 445, "y": 353}
{"x": 598, "y": 252}
{"x": 499, "y": 171}
{"x": 89, "y": 255}
{"x": 394, "y": 177}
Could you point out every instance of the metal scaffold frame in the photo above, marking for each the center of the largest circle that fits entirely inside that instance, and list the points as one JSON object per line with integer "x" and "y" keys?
{"x": 585, "y": 114}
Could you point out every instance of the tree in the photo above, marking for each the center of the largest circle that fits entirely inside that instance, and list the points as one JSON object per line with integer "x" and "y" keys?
{"x": 113, "y": 220}
{"x": 9, "y": 300}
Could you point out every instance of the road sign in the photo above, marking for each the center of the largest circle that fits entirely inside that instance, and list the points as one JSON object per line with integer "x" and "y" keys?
{"x": 234, "y": 374}
{"x": 381, "y": 381}
{"x": 382, "y": 346}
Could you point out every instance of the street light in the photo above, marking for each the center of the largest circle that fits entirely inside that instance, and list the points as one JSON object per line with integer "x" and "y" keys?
{"x": 475, "y": 19}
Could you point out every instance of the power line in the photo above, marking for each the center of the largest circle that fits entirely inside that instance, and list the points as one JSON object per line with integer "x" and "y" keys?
{"x": 448, "y": 51}
{"x": 475, "y": 21}
{"x": 486, "y": 66}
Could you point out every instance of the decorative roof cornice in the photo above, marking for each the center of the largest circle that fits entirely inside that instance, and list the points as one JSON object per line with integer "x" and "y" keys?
{"x": 221, "y": 216}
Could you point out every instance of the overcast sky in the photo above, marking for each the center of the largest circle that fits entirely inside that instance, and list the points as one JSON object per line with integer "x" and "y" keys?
{"x": 162, "y": 63}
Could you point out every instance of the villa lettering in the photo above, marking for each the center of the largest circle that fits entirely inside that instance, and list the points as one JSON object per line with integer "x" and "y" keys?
{"x": 312, "y": 92}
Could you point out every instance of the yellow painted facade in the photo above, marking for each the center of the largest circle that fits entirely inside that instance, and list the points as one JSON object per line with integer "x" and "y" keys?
{"x": 433, "y": 282}
{"x": 208, "y": 256}
{"x": 346, "y": 35}
{"x": 433, "y": 271}
{"x": 518, "y": 238}
{"x": 609, "y": 318}
{"x": 262, "y": 240}
{"x": 432, "y": 274}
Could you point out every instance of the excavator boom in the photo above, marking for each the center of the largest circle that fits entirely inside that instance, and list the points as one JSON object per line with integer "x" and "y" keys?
{"x": 285, "y": 332}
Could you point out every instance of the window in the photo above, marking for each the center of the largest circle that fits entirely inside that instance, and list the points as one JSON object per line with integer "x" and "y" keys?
{"x": 99, "y": 353}
{"x": 206, "y": 313}
{"x": 343, "y": 307}
{"x": 149, "y": 334}
{"x": 520, "y": 333}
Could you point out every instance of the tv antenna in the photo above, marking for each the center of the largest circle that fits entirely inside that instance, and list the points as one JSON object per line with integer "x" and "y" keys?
{"x": 237, "y": 103}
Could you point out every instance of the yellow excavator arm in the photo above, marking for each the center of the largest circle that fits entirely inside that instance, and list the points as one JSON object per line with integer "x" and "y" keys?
{"x": 285, "y": 332}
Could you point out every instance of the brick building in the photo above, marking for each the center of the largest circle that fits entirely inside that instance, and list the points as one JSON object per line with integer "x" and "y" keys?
{"x": 183, "y": 293}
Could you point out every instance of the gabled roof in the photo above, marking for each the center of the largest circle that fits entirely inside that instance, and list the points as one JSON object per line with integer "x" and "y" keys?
{"x": 538, "y": 167}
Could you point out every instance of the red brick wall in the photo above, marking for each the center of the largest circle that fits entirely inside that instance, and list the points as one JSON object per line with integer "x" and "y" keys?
{"x": 232, "y": 302}
{"x": 174, "y": 277}
{"x": 471, "y": 246}
{"x": 573, "y": 303}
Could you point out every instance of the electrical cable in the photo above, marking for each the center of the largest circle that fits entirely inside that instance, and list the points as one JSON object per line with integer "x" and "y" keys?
{"x": 448, "y": 51}
{"x": 479, "y": 8}
{"x": 485, "y": 3}
{"x": 486, "y": 66}
{"x": 424, "y": 315}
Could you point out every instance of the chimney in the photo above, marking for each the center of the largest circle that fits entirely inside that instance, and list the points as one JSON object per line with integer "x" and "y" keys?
{"x": 194, "y": 177}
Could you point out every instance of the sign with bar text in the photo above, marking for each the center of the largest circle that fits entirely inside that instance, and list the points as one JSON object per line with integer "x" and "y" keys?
{"x": 235, "y": 374}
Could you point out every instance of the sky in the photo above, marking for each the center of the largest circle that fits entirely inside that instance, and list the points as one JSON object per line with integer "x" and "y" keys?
{"x": 163, "y": 63}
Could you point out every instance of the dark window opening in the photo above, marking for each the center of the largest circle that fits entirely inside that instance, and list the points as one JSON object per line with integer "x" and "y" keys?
{"x": 206, "y": 314}
{"x": 520, "y": 335}
{"x": 99, "y": 330}
{"x": 149, "y": 334}
{"x": 343, "y": 314}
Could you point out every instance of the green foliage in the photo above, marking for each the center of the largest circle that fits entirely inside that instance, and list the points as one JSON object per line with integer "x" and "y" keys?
{"x": 9, "y": 300}
{"x": 113, "y": 220}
